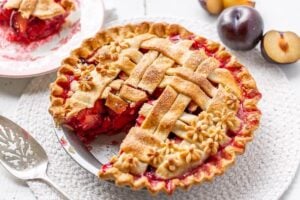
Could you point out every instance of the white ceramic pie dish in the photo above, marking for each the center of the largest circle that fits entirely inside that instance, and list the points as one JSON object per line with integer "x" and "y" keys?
{"x": 77, "y": 150}
{"x": 43, "y": 57}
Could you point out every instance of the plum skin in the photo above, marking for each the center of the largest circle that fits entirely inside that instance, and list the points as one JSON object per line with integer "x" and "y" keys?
{"x": 240, "y": 27}
{"x": 264, "y": 53}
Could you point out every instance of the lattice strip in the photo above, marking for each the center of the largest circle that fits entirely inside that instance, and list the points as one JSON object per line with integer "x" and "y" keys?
{"x": 155, "y": 73}
{"x": 125, "y": 64}
{"x": 208, "y": 66}
{"x": 179, "y": 52}
{"x": 194, "y": 59}
{"x": 132, "y": 94}
{"x": 192, "y": 90}
{"x": 139, "y": 70}
{"x": 161, "y": 107}
{"x": 169, "y": 119}
{"x": 134, "y": 55}
{"x": 194, "y": 77}
{"x": 224, "y": 77}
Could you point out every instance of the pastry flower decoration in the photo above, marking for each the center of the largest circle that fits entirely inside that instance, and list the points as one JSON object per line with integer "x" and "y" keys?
{"x": 206, "y": 118}
{"x": 112, "y": 51}
{"x": 198, "y": 127}
{"x": 231, "y": 101}
{"x": 107, "y": 54}
{"x": 86, "y": 68}
{"x": 169, "y": 147}
{"x": 173, "y": 164}
{"x": 127, "y": 162}
{"x": 117, "y": 46}
{"x": 105, "y": 70}
{"x": 192, "y": 154}
{"x": 210, "y": 146}
{"x": 225, "y": 119}
{"x": 194, "y": 132}
{"x": 86, "y": 81}
{"x": 216, "y": 133}
{"x": 155, "y": 157}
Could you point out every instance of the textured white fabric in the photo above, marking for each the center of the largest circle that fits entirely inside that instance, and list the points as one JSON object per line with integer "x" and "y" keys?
{"x": 263, "y": 172}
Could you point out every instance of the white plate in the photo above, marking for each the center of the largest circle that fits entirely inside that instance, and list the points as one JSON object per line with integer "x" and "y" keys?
{"x": 17, "y": 61}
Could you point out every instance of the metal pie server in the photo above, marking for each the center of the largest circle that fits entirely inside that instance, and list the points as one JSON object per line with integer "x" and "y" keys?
{"x": 22, "y": 155}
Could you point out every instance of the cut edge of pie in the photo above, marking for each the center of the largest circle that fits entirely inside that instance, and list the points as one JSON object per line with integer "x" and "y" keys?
{"x": 187, "y": 131}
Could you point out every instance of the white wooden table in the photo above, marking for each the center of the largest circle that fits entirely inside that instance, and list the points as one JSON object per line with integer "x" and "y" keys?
{"x": 277, "y": 14}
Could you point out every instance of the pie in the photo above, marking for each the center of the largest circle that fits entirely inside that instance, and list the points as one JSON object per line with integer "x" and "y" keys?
{"x": 32, "y": 20}
{"x": 187, "y": 105}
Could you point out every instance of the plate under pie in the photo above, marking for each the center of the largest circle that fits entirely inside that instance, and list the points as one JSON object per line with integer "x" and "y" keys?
{"x": 188, "y": 106}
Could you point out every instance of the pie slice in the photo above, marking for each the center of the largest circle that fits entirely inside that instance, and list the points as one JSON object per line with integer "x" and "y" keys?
{"x": 188, "y": 106}
{"x": 32, "y": 20}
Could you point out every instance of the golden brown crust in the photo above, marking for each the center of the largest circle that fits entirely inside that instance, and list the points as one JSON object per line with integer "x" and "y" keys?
{"x": 132, "y": 94}
{"x": 180, "y": 90}
{"x": 43, "y": 9}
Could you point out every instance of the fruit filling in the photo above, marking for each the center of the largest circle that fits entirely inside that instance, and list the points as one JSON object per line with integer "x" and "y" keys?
{"x": 92, "y": 122}
{"x": 22, "y": 30}
{"x": 100, "y": 119}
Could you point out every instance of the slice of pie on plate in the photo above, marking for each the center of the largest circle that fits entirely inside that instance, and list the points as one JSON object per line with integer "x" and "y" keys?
{"x": 32, "y": 20}
{"x": 188, "y": 106}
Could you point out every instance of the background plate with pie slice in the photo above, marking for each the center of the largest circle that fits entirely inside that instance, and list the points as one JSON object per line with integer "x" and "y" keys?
{"x": 20, "y": 61}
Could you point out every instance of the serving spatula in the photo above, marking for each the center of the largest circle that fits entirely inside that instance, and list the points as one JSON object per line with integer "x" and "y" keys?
{"x": 22, "y": 155}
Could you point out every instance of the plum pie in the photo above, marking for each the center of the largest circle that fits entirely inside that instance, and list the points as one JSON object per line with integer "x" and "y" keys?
{"x": 33, "y": 20}
{"x": 187, "y": 105}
